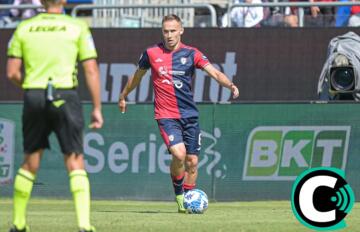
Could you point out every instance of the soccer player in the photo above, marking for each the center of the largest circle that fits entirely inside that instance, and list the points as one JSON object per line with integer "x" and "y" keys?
{"x": 172, "y": 66}
{"x": 49, "y": 45}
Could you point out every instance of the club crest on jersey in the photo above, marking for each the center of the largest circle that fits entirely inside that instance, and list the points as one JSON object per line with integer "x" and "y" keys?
{"x": 171, "y": 138}
{"x": 183, "y": 60}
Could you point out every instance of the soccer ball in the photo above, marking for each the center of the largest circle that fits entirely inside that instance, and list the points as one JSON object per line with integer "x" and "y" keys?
{"x": 196, "y": 201}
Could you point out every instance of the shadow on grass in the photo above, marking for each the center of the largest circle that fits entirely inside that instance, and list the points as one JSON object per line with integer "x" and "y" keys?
{"x": 136, "y": 211}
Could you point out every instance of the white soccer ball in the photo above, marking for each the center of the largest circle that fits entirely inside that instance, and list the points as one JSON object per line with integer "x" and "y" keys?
{"x": 196, "y": 201}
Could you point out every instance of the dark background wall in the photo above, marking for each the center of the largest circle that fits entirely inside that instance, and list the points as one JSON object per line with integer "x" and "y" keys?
{"x": 276, "y": 64}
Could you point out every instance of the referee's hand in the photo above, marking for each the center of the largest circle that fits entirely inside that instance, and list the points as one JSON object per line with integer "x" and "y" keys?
{"x": 96, "y": 119}
{"x": 122, "y": 105}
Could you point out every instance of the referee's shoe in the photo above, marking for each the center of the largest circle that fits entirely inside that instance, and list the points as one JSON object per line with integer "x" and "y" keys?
{"x": 14, "y": 229}
{"x": 91, "y": 230}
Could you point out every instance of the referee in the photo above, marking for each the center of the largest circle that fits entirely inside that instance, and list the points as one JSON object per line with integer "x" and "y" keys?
{"x": 49, "y": 45}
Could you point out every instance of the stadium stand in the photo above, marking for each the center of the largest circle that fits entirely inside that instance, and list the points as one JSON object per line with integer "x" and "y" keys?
{"x": 139, "y": 17}
{"x": 279, "y": 15}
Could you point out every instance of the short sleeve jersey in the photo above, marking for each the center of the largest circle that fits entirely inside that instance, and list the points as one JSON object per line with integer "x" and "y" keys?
{"x": 172, "y": 73}
{"x": 50, "y": 46}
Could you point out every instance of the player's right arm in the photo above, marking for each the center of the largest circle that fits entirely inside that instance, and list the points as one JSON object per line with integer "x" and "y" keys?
{"x": 132, "y": 83}
{"x": 14, "y": 62}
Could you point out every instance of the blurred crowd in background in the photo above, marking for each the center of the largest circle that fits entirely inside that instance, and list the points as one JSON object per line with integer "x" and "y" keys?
{"x": 325, "y": 16}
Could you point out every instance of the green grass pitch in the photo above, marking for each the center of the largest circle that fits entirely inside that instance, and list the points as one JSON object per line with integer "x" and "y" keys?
{"x": 46, "y": 215}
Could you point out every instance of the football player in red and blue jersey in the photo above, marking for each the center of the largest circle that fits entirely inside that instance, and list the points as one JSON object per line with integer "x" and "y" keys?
{"x": 172, "y": 65}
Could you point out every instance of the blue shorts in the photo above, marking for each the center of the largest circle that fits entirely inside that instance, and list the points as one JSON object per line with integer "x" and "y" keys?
{"x": 183, "y": 130}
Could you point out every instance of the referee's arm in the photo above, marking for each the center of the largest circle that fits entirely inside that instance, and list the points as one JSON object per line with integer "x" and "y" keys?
{"x": 13, "y": 70}
{"x": 93, "y": 83}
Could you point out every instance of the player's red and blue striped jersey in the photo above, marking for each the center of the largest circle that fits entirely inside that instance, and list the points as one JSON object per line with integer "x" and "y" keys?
{"x": 172, "y": 73}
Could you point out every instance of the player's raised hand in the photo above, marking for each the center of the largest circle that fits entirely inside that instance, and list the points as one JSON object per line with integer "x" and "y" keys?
{"x": 96, "y": 119}
{"x": 122, "y": 105}
{"x": 234, "y": 91}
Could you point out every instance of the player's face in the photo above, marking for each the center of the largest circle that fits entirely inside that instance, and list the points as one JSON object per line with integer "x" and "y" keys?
{"x": 172, "y": 31}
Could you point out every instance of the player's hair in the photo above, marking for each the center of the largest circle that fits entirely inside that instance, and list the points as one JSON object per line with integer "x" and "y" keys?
{"x": 171, "y": 17}
{"x": 47, "y": 3}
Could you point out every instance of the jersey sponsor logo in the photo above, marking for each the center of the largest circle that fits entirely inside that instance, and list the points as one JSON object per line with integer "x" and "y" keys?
{"x": 7, "y": 150}
{"x": 163, "y": 71}
{"x": 47, "y": 28}
{"x": 284, "y": 152}
{"x": 178, "y": 84}
{"x": 158, "y": 60}
{"x": 166, "y": 81}
{"x": 177, "y": 72}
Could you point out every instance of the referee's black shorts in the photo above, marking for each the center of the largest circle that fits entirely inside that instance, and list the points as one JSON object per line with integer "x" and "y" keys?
{"x": 63, "y": 116}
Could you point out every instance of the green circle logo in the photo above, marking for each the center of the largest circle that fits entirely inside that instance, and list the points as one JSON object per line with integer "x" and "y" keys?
{"x": 321, "y": 198}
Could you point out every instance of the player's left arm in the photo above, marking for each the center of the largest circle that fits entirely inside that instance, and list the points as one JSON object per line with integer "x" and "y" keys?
{"x": 13, "y": 71}
{"x": 222, "y": 79}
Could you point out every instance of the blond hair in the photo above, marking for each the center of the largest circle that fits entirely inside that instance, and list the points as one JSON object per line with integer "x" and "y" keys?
{"x": 171, "y": 17}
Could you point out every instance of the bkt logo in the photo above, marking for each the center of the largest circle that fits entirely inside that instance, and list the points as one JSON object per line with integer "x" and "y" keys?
{"x": 282, "y": 153}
